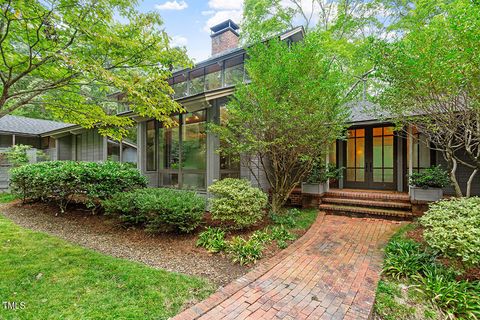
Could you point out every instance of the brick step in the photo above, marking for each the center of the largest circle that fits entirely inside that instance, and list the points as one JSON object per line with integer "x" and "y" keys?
{"x": 364, "y": 210}
{"x": 368, "y": 203}
{"x": 374, "y": 196}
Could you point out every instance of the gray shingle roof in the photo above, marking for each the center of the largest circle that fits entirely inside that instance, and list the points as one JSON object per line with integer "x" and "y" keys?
{"x": 366, "y": 111}
{"x": 24, "y": 125}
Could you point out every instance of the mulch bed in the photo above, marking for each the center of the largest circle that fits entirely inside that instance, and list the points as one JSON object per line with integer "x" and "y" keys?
{"x": 172, "y": 252}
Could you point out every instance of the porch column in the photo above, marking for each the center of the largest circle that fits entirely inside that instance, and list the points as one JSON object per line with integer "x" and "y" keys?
{"x": 410, "y": 153}
{"x": 13, "y": 139}
{"x": 327, "y": 162}
{"x": 340, "y": 162}
{"x": 400, "y": 161}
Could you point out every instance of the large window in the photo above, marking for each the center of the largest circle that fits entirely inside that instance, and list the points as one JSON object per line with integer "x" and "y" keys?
{"x": 234, "y": 70}
{"x": 356, "y": 155}
{"x": 421, "y": 152}
{"x": 183, "y": 152}
{"x": 229, "y": 165}
{"x": 150, "y": 147}
{"x": 213, "y": 77}
{"x": 197, "y": 81}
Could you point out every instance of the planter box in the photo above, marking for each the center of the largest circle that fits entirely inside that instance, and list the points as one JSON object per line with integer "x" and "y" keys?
{"x": 427, "y": 195}
{"x": 314, "y": 188}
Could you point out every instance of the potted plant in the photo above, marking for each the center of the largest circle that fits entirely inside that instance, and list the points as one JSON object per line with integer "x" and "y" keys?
{"x": 317, "y": 180}
{"x": 428, "y": 184}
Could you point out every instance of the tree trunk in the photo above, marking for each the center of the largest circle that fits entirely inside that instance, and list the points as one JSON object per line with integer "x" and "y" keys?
{"x": 469, "y": 183}
{"x": 278, "y": 201}
{"x": 453, "y": 177}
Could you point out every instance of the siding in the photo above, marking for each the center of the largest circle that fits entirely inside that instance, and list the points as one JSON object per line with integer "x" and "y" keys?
{"x": 463, "y": 174}
{"x": 64, "y": 145}
{"x": 89, "y": 146}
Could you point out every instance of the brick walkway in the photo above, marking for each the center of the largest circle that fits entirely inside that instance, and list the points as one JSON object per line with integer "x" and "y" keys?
{"x": 329, "y": 273}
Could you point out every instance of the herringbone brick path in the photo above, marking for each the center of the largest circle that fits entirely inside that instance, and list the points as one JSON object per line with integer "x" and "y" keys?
{"x": 329, "y": 273}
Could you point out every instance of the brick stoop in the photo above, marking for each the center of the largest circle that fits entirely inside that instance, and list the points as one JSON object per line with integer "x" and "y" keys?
{"x": 375, "y": 203}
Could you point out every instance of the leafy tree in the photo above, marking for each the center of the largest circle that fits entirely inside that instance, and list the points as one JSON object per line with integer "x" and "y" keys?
{"x": 289, "y": 114}
{"x": 432, "y": 79}
{"x": 71, "y": 57}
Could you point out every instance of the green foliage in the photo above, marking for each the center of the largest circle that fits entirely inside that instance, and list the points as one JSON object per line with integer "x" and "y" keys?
{"x": 17, "y": 155}
{"x": 236, "y": 201}
{"x": 244, "y": 251}
{"x": 213, "y": 239}
{"x": 158, "y": 209}
{"x": 453, "y": 228}
{"x": 7, "y": 197}
{"x": 433, "y": 177}
{"x": 321, "y": 173}
{"x": 455, "y": 298}
{"x": 286, "y": 219}
{"x": 52, "y": 273}
{"x": 71, "y": 57}
{"x": 404, "y": 258}
{"x": 387, "y": 304}
{"x": 289, "y": 112}
{"x": 281, "y": 235}
{"x": 61, "y": 181}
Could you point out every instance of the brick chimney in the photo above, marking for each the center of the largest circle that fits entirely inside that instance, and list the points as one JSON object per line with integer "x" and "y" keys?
{"x": 224, "y": 36}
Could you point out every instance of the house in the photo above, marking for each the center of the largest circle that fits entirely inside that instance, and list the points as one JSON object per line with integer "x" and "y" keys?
{"x": 375, "y": 156}
{"x": 59, "y": 141}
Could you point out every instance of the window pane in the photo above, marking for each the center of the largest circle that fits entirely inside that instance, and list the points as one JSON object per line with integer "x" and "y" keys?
{"x": 388, "y": 151}
{"x": 197, "y": 81}
{"x": 150, "y": 146}
{"x": 377, "y": 175}
{"x": 360, "y": 132}
{"x": 332, "y": 153}
{"x": 388, "y": 131}
{"x": 194, "y": 141}
{"x": 229, "y": 164}
{"x": 180, "y": 86}
{"x": 388, "y": 175}
{"x": 360, "y": 161}
{"x": 351, "y": 174}
{"x": 360, "y": 175}
{"x": 193, "y": 181}
{"x": 377, "y": 152}
{"x": 113, "y": 151}
{"x": 170, "y": 180}
{"x": 351, "y": 153}
{"x": 234, "y": 70}
{"x": 5, "y": 141}
{"x": 213, "y": 77}
{"x": 377, "y": 132}
{"x": 424, "y": 156}
{"x": 169, "y": 144}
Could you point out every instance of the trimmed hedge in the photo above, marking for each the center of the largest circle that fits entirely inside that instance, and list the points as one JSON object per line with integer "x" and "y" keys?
{"x": 61, "y": 181}
{"x": 453, "y": 228}
{"x": 237, "y": 202}
{"x": 158, "y": 209}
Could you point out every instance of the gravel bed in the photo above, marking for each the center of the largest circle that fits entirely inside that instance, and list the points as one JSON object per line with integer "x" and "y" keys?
{"x": 176, "y": 253}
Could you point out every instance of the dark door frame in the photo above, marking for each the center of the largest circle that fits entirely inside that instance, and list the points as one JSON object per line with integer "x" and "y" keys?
{"x": 368, "y": 182}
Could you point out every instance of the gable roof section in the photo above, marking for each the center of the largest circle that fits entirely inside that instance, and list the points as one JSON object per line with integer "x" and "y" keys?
{"x": 365, "y": 111}
{"x": 29, "y": 126}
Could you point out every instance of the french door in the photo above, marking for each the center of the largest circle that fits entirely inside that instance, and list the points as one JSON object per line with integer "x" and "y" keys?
{"x": 370, "y": 154}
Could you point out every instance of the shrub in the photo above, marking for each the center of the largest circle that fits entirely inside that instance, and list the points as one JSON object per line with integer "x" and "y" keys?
{"x": 281, "y": 235}
{"x": 17, "y": 155}
{"x": 321, "y": 173}
{"x": 404, "y": 258}
{"x": 213, "y": 239}
{"x": 245, "y": 251}
{"x": 61, "y": 181}
{"x": 285, "y": 219}
{"x": 434, "y": 177}
{"x": 453, "y": 228}
{"x": 261, "y": 236}
{"x": 158, "y": 210}
{"x": 237, "y": 202}
{"x": 456, "y": 298}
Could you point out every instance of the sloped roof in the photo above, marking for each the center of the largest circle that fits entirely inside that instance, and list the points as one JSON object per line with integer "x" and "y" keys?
{"x": 24, "y": 125}
{"x": 363, "y": 111}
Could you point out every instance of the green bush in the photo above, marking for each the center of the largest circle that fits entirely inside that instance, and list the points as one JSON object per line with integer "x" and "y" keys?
{"x": 453, "y": 228}
{"x": 404, "y": 258}
{"x": 158, "y": 210}
{"x": 456, "y": 298}
{"x": 244, "y": 251}
{"x": 434, "y": 177}
{"x": 61, "y": 181}
{"x": 322, "y": 173}
{"x": 212, "y": 239}
{"x": 17, "y": 155}
{"x": 237, "y": 202}
{"x": 286, "y": 219}
{"x": 281, "y": 235}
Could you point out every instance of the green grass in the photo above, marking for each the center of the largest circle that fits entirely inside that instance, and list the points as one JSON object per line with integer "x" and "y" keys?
{"x": 58, "y": 280}
{"x": 7, "y": 197}
{"x": 305, "y": 219}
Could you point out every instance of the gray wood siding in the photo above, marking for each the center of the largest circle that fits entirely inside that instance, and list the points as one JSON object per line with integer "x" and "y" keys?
{"x": 463, "y": 174}
{"x": 65, "y": 148}
{"x": 89, "y": 146}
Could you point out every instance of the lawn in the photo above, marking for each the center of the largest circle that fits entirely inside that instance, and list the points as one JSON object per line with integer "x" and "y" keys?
{"x": 57, "y": 280}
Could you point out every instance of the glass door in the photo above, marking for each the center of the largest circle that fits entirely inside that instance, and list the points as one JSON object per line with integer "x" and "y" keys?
{"x": 370, "y": 158}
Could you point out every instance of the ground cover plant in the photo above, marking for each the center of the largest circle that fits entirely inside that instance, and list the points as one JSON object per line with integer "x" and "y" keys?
{"x": 58, "y": 280}
{"x": 248, "y": 248}
{"x": 418, "y": 284}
